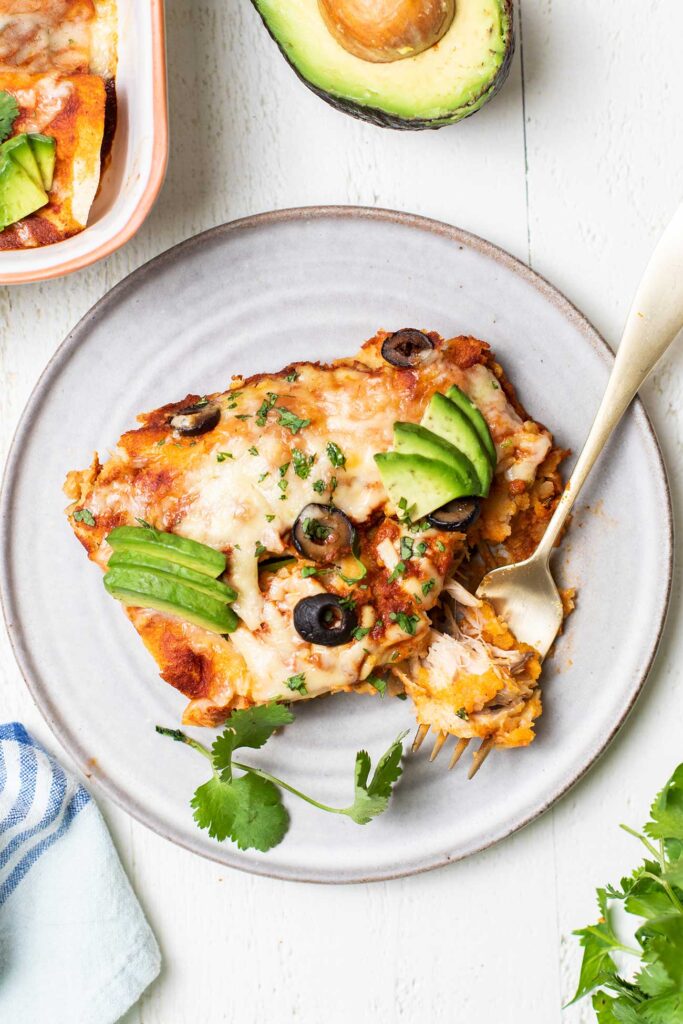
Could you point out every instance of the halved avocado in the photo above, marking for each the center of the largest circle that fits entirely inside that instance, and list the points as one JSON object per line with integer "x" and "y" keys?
{"x": 412, "y": 439}
{"x": 144, "y": 588}
{"x": 444, "y": 418}
{"x": 441, "y": 85}
{"x": 191, "y": 553}
{"x": 466, "y": 405}
{"x": 141, "y": 559}
{"x": 424, "y": 484}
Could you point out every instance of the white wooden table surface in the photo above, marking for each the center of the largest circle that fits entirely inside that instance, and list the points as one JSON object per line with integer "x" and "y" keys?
{"x": 574, "y": 168}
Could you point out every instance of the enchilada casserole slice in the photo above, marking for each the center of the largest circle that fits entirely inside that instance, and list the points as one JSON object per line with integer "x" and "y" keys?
{"x": 58, "y": 64}
{"x": 260, "y": 471}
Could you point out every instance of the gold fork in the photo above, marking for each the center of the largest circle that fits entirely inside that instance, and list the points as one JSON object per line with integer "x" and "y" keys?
{"x": 524, "y": 594}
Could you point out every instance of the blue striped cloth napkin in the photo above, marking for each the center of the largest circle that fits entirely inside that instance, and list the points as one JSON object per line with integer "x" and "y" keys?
{"x": 75, "y": 947}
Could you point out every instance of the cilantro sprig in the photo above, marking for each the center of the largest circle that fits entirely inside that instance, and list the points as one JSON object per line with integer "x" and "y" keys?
{"x": 248, "y": 808}
{"x": 654, "y": 894}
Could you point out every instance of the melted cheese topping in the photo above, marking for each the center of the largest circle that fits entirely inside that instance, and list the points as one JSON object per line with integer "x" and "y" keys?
{"x": 237, "y": 489}
{"x": 65, "y": 36}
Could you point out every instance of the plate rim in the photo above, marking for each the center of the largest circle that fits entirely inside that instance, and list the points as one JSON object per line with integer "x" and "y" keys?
{"x": 106, "y": 785}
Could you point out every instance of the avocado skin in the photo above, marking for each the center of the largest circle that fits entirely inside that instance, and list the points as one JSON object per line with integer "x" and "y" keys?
{"x": 383, "y": 119}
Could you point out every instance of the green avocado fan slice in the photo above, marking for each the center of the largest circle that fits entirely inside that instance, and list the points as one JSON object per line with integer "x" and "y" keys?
{"x": 190, "y": 553}
{"x": 145, "y": 588}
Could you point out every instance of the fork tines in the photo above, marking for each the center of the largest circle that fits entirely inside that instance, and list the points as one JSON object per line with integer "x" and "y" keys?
{"x": 478, "y": 758}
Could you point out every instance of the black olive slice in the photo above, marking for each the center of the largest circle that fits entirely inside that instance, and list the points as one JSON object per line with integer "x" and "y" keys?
{"x": 456, "y": 515}
{"x": 196, "y": 419}
{"x": 407, "y": 348}
{"x": 323, "y": 533}
{"x": 325, "y": 619}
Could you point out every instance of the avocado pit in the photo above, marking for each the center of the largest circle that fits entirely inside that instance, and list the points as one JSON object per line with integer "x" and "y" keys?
{"x": 382, "y": 31}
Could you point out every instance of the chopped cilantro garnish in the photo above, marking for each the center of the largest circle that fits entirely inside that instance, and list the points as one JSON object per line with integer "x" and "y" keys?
{"x": 253, "y": 450}
{"x": 379, "y": 684}
{"x": 347, "y": 603}
{"x": 398, "y": 571}
{"x": 292, "y": 376}
{"x": 333, "y": 485}
{"x": 265, "y": 407}
{"x": 406, "y": 551}
{"x": 270, "y": 518}
{"x": 288, "y": 419}
{"x": 461, "y": 713}
{"x": 407, "y": 623}
{"x": 160, "y": 444}
{"x": 401, "y": 696}
{"x": 440, "y": 545}
{"x": 260, "y": 549}
{"x": 81, "y": 515}
{"x": 243, "y": 416}
{"x": 314, "y": 570}
{"x": 302, "y": 463}
{"x": 335, "y": 455}
{"x": 315, "y": 530}
{"x": 319, "y": 486}
{"x": 427, "y": 586}
{"x": 9, "y": 112}
{"x": 222, "y": 456}
{"x": 495, "y": 385}
{"x": 297, "y": 683}
{"x": 361, "y": 632}
{"x": 263, "y": 477}
{"x": 283, "y": 468}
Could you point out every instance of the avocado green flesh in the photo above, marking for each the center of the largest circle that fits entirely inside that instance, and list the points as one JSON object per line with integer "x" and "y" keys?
{"x": 144, "y": 588}
{"x": 44, "y": 150}
{"x": 466, "y": 405}
{"x": 441, "y": 85}
{"x": 19, "y": 194}
{"x": 444, "y": 418}
{"x": 198, "y": 581}
{"x": 19, "y": 149}
{"x": 424, "y": 483}
{"x": 170, "y": 546}
{"x": 412, "y": 439}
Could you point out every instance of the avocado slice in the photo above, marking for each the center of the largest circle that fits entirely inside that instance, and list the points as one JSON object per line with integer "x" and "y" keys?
{"x": 45, "y": 151}
{"x": 19, "y": 194}
{"x": 413, "y": 439}
{"x": 425, "y": 484}
{"x": 141, "y": 559}
{"x": 466, "y": 405}
{"x": 19, "y": 148}
{"x": 441, "y": 85}
{"x": 448, "y": 421}
{"x": 186, "y": 552}
{"x": 144, "y": 588}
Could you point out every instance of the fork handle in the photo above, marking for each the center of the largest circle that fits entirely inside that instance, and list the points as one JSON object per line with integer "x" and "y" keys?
{"x": 655, "y": 319}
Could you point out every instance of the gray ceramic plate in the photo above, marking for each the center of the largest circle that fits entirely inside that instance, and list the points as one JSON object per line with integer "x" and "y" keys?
{"x": 250, "y": 296}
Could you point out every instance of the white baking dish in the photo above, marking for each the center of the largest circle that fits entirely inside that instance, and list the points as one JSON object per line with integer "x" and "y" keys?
{"x": 137, "y": 167}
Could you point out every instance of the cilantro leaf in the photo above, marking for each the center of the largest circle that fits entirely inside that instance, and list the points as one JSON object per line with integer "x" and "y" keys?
{"x": 9, "y": 112}
{"x": 667, "y": 810}
{"x": 82, "y": 515}
{"x": 599, "y": 942}
{"x": 215, "y": 806}
{"x": 371, "y": 798}
{"x": 250, "y": 727}
{"x": 335, "y": 455}
{"x": 289, "y": 419}
{"x": 261, "y": 820}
